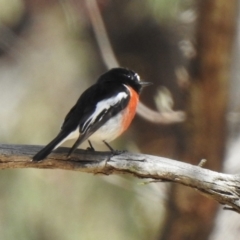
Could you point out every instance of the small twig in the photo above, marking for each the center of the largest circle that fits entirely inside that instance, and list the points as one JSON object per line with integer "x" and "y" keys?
{"x": 202, "y": 162}
{"x": 101, "y": 35}
{"x": 160, "y": 118}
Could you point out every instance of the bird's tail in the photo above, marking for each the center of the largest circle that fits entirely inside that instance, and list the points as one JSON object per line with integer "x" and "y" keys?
{"x": 51, "y": 146}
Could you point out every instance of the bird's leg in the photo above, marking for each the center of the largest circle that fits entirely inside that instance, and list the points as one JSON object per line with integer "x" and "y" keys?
{"x": 114, "y": 152}
{"x": 91, "y": 148}
{"x": 110, "y": 148}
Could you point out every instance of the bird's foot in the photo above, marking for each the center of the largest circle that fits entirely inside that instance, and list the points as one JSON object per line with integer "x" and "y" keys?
{"x": 113, "y": 151}
{"x": 118, "y": 152}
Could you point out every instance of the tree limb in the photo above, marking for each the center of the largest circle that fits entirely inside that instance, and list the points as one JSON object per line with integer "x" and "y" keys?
{"x": 224, "y": 188}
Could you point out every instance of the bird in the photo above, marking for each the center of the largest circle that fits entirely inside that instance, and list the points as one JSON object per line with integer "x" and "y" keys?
{"x": 102, "y": 113}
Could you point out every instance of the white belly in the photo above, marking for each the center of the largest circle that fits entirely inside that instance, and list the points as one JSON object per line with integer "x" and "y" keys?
{"x": 109, "y": 131}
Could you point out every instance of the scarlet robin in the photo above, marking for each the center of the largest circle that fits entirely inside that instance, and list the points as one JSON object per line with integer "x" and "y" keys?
{"x": 102, "y": 113}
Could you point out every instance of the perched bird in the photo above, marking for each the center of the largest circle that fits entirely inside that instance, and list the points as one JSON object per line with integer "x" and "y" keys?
{"x": 103, "y": 112}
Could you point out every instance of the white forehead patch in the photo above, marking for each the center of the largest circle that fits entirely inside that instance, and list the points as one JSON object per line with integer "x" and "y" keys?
{"x": 137, "y": 77}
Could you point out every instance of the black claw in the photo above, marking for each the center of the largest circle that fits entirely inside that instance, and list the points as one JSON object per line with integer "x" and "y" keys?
{"x": 118, "y": 152}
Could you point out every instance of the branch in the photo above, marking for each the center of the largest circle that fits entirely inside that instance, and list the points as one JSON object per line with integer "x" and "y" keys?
{"x": 224, "y": 188}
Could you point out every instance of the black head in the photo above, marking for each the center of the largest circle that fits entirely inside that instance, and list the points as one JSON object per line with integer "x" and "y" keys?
{"x": 124, "y": 76}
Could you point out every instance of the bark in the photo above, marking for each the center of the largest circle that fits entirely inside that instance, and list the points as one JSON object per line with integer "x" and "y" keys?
{"x": 224, "y": 188}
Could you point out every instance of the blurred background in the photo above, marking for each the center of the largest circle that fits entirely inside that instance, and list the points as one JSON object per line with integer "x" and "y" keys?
{"x": 49, "y": 55}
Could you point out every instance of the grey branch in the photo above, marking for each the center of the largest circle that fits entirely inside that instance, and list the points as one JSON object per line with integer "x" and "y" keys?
{"x": 224, "y": 188}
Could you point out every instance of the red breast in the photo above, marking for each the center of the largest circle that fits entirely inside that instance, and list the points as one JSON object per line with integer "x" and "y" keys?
{"x": 130, "y": 109}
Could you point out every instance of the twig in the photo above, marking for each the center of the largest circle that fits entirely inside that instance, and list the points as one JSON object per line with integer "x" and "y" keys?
{"x": 202, "y": 162}
{"x": 101, "y": 35}
{"x": 224, "y": 188}
{"x": 160, "y": 118}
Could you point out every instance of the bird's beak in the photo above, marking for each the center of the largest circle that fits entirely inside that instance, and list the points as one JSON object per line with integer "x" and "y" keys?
{"x": 145, "y": 84}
